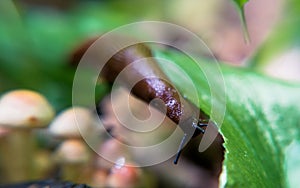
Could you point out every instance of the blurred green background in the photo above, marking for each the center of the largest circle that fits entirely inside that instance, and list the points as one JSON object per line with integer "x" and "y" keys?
{"x": 38, "y": 37}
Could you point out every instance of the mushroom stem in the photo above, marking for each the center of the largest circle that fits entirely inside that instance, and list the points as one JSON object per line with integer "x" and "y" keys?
{"x": 4, "y": 158}
{"x": 17, "y": 152}
{"x": 73, "y": 172}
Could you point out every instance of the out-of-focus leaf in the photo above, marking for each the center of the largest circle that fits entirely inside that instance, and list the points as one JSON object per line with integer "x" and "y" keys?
{"x": 261, "y": 120}
{"x": 284, "y": 36}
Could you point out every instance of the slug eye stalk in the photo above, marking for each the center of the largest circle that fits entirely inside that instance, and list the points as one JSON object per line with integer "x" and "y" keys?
{"x": 183, "y": 142}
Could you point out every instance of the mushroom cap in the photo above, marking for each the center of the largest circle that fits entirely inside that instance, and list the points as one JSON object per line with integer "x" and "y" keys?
{"x": 99, "y": 177}
{"x": 25, "y": 109}
{"x": 109, "y": 152}
{"x": 4, "y": 131}
{"x": 74, "y": 122}
{"x": 124, "y": 176}
{"x": 72, "y": 151}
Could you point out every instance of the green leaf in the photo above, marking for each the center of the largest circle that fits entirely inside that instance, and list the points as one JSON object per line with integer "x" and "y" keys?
{"x": 261, "y": 121}
{"x": 240, "y": 9}
{"x": 293, "y": 163}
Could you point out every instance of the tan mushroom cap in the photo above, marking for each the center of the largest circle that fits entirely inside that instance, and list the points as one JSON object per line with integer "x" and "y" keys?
{"x": 25, "y": 109}
{"x": 72, "y": 123}
{"x": 72, "y": 151}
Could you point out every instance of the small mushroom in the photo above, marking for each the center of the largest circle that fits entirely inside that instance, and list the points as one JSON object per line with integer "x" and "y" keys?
{"x": 73, "y": 156}
{"x": 75, "y": 122}
{"x": 108, "y": 152}
{"x": 21, "y": 111}
{"x": 123, "y": 175}
{"x": 99, "y": 177}
{"x": 73, "y": 126}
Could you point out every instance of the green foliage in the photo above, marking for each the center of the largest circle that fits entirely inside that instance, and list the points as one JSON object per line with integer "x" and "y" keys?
{"x": 261, "y": 120}
{"x": 36, "y": 47}
{"x": 38, "y": 44}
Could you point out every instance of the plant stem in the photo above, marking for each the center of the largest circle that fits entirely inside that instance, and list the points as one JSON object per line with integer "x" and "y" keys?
{"x": 244, "y": 25}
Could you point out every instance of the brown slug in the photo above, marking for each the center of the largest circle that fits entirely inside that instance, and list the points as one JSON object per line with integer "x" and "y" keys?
{"x": 148, "y": 88}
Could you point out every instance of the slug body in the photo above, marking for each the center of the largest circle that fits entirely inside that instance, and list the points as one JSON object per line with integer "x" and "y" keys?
{"x": 153, "y": 84}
